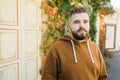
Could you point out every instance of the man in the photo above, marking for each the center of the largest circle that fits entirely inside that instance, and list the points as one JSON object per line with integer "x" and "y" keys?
{"x": 75, "y": 57}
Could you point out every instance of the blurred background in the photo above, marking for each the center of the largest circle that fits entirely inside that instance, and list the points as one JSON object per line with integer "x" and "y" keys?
{"x": 28, "y": 28}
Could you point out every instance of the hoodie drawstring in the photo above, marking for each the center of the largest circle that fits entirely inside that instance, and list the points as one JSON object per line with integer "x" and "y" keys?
{"x": 74, "y": 52}
{"x": 90, "y": 52}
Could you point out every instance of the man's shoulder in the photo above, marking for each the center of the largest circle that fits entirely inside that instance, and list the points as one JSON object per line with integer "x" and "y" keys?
{"x": 93, "y": 43}
{"x": 59, "y": 43}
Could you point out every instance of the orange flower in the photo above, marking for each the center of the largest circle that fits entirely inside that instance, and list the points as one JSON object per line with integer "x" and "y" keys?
{"x": 55, "y": 9}
{"x": 52, "y": 11}
{"x": 45, "y": 5}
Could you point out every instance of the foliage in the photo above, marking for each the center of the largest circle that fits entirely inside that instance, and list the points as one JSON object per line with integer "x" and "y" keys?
{"x": 58, "y": 16}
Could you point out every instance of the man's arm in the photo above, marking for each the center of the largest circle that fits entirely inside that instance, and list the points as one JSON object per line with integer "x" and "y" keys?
{"x": 103, "y": 72}
{"x": 50, "y": 68}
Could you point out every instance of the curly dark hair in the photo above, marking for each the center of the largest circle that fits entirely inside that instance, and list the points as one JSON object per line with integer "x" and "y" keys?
{"x": 78, "y": 9}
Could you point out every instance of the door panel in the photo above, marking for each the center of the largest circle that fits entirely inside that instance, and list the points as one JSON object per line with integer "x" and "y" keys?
{"x": 19, "y": 42}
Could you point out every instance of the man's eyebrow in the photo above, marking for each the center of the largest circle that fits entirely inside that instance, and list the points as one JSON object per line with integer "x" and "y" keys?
{"x": 76, "y": 20}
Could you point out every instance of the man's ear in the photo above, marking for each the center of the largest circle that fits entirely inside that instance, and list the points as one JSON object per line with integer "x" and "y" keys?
{"x": 68, "y": 26}
{"x": 69, "y": 30}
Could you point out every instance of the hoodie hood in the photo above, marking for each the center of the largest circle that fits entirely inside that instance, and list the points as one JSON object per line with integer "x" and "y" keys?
{"x": 73, "y": 42}
{"x": 69, "y": 37}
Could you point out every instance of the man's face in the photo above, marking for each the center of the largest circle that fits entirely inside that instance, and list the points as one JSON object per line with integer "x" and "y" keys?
{"x": 79, "y": 25}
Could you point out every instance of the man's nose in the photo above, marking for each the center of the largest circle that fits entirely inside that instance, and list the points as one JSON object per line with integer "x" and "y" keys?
{"x": 82, "y": 24}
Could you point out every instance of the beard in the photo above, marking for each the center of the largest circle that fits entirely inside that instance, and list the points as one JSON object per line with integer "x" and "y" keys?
{"x": 81, "y": 36}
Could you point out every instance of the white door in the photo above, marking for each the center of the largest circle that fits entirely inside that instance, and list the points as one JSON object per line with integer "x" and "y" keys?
{"x": 19, "y": 41}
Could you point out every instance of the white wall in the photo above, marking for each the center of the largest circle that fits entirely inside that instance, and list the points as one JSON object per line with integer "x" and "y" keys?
{"x": 98, "y": 29}
{"x": 118, "y": 31}
{"x": 114, "y": 19}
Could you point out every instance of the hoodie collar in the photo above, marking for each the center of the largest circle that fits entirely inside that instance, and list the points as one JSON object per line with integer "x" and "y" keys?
{"x": 69, "y": 37}
{"x": 73, "y": 41}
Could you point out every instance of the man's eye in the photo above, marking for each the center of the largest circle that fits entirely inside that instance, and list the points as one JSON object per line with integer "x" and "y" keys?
{"x": 76, "y": 22}
{"x": 85, "y": 21}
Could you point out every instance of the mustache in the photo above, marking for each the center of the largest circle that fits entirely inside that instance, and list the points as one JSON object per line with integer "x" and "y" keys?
{"x": 81, "y": 28}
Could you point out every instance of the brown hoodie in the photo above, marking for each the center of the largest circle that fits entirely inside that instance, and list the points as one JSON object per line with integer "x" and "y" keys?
{"x": 74, "y": 60}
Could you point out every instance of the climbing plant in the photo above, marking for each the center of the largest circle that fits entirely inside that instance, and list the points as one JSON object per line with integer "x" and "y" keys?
{"x": 56, "y": 11}
{"x": 58, "y": 16}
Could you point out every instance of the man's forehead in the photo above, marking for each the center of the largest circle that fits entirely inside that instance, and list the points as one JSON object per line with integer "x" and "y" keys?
{"x": 79, "y": 16}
